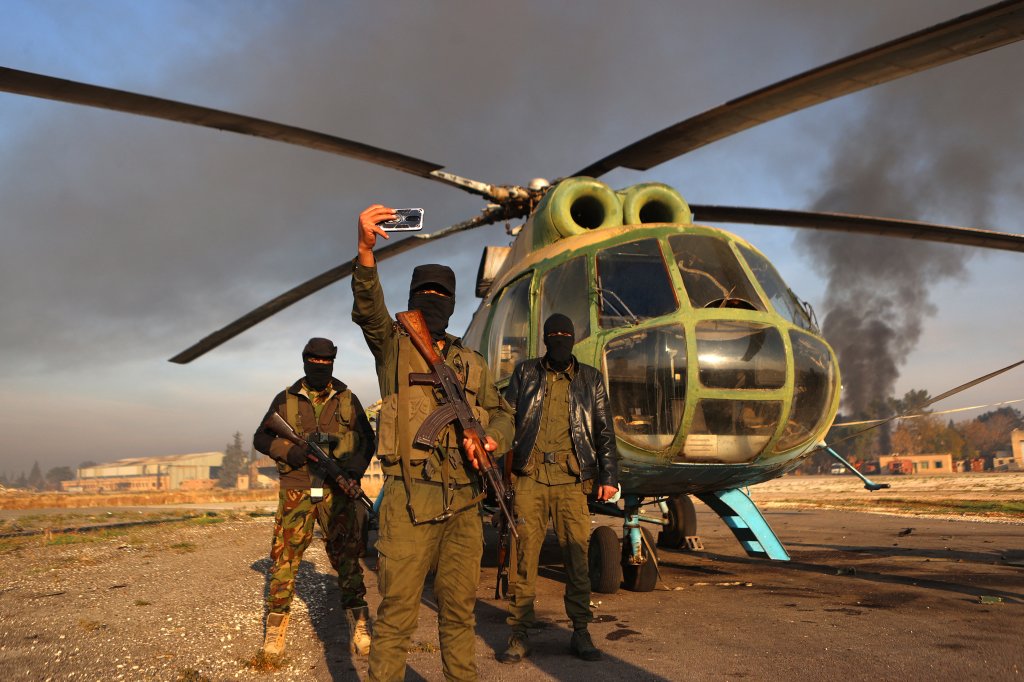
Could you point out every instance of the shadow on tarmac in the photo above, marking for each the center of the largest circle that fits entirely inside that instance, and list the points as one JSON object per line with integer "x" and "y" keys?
{"x": 319, "y": 591}
{"x": 857, "y": 574}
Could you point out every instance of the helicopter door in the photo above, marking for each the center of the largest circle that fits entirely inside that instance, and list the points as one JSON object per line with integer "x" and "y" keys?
{"x": 510, "y": 328}
{"x": 565, "y": 289}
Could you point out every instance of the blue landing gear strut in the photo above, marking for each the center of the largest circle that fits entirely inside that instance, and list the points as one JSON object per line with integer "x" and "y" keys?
{"x": 745, "y": 521}
{"x": 639, "y": 558}
{"x": 868, "y": 483}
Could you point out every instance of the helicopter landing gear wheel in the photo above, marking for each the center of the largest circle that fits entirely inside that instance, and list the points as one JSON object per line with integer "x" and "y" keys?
{"x": 603, "y": 558}
{"x": 640, "y": 577}
{"x": 682, "y": 523}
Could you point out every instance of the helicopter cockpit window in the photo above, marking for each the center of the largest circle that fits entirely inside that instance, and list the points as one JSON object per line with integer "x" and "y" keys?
{"x": 510, "y": 331}
{"x": 781, "y": 297}
{"x": 633, "y": 284}
{"x": 734, "y": 354}
{"x": 813, "y": 387}
{"x": 731, "y": 431}
{"x": 566, "y": 290}
{"x": 473, "y": 338}
{"x": 647, "y": 385}
{"x": 711, "y": 274}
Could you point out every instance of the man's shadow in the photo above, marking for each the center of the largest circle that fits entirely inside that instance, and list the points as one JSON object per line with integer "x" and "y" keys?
{"x": 550, "y": 637}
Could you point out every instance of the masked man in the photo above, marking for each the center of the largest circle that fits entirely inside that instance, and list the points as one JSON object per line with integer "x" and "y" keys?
{"x": 564, "y": 451}
{"x": 429, "y": 516}
{"x": 320, "y": 406}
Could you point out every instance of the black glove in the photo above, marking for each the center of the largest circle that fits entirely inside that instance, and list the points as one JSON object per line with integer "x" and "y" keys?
{"x": 296, "y": 457}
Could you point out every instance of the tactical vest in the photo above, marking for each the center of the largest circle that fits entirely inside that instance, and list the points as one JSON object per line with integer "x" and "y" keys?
{"x": 402, "y": 413}
{"x": 336, "y": 419}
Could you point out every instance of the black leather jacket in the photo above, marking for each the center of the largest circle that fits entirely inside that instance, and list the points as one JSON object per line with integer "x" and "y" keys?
{"x": 593, "y": 437}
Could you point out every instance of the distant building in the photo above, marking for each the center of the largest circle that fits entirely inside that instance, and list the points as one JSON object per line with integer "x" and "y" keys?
{"x": 373, "y": 478}
{"x": 1017, "y": 444}
{"x": 196, "y": 471}
{"x": 926, "y": 465}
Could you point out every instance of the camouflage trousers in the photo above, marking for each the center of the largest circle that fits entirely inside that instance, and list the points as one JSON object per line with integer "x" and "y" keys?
{"x": 343, "y": 524}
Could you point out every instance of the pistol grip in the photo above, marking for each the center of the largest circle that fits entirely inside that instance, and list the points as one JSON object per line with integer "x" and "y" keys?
{"x": 423, "y": 379}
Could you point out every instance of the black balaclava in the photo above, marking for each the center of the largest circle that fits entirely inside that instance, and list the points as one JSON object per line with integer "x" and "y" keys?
{"x": 559, "y": 353}
{"x": 318, "y": 375}
{"x": 437, "y": 310}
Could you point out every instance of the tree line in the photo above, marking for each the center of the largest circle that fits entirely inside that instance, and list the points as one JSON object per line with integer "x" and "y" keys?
{"x": 919, "y": 432}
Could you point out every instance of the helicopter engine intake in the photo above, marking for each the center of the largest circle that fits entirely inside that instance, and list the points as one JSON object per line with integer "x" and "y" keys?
{"x": 653, "y": 202}
{"x": 573, "y": 207}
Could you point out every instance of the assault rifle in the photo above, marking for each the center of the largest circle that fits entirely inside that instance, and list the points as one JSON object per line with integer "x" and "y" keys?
{"x": 454, "y": 409}
{"x": 505, "y": 530}
{"x": 314, "y": 453}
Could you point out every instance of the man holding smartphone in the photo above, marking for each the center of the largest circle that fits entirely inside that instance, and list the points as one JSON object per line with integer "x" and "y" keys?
{"x": 429, "y": 516}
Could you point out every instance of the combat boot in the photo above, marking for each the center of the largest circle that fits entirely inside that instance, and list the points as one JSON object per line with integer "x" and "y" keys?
{"x": 273, "y": 642}
{"x": 583, "y": 647}
{"x": 360, "y": 631}
{"x": 518, "y": 648}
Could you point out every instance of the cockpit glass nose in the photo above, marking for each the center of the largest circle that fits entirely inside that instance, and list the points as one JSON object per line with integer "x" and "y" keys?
{"x": 813, "y": 387}
{"x": 633, "y": 284}
{"x": 647, "y": 385}
{"x": 731, "y": 431}
{"x": 734, "y": 354}
{"x": 711, "y": 274}
{"x": 782, "y": 299}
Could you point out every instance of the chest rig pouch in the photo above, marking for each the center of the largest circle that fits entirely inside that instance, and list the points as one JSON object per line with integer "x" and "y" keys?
{"x": 332, "y": 432}
{"x": 404, "y": 413}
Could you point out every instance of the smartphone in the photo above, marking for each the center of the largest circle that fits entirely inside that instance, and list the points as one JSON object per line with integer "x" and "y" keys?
{"x": 408, "y": 220}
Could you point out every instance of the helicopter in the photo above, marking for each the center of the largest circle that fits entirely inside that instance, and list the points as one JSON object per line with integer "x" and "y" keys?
{"x": 718, "y": 375}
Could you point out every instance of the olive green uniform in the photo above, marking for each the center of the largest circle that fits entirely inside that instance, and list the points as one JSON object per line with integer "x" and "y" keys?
{"x": 549, "y": 487}
{"x": 429, "y": 515}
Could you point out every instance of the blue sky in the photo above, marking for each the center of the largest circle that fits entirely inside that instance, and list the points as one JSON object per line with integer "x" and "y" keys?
{"x": 125, "y": 240}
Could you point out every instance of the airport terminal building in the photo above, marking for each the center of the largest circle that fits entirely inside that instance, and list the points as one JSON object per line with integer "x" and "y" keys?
{"x": 196, "y": 471}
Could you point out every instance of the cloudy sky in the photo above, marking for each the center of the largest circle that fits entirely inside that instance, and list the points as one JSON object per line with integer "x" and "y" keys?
{"x": 124, "y": 240}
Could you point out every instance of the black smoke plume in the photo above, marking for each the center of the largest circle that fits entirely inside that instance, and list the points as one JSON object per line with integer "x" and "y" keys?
{"x": 879, "y": 289}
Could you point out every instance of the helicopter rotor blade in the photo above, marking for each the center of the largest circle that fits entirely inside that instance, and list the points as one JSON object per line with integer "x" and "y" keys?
{"x": 970, "y": 34}
{"x": 322, "y": 280}
{"x": 861, "y": 224}
{"x": 47, "y": 87}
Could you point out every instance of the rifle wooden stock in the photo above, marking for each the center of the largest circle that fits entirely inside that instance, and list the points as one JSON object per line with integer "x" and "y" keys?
{"x": 455, "y": 409}
{"x": 314, "y": 453}
{"x": 419, "y": 334}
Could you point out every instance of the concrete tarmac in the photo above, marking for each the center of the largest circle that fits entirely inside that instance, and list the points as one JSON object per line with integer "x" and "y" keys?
{"x": 864, "y": 597}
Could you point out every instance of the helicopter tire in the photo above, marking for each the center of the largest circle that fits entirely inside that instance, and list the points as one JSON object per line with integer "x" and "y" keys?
{"x": 682, "y": 523}
{"x": 603, "y": 559}
{"x": 640, "y": 577}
